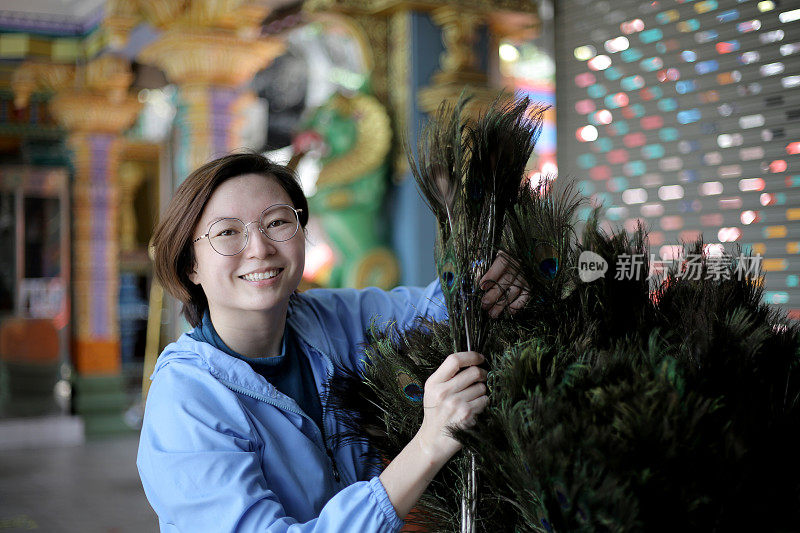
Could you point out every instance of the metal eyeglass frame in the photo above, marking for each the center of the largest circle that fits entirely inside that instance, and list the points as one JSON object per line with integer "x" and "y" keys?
{"x": 247, "y": 232}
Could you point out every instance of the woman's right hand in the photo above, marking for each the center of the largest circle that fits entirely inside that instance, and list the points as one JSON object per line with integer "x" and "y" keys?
{"x": 453, "y": 397}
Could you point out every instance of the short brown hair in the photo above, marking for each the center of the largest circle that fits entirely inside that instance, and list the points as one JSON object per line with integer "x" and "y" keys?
{"x": 172, "y": 238}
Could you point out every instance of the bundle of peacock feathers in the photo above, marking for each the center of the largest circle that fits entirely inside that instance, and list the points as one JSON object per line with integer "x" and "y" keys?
{"x": 628, "y": 403}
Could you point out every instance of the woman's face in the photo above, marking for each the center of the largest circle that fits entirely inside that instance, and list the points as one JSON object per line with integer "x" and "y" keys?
{"x": 229, "y": 283}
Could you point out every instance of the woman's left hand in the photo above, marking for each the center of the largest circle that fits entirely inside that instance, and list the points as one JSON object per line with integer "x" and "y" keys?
{"x": 504, "y": 286}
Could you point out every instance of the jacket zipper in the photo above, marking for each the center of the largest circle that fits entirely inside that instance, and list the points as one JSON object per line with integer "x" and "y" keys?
{"x": 261, "y": 397}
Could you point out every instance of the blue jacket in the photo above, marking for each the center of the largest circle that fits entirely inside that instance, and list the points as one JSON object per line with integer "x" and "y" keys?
{"x": 222, "y": 450}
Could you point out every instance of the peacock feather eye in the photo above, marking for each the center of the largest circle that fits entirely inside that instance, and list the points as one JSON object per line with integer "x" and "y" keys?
{"x": 549, "y": 267}
{"x": 449, "y": 278}
{"x": 547, "y": 258}
{"x": 411, "y": 388}
{"x": 447, "y": 271}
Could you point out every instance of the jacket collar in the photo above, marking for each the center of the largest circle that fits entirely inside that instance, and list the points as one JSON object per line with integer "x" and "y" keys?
{"x": 222, "y": 366}
{"x": 302, "y": 318}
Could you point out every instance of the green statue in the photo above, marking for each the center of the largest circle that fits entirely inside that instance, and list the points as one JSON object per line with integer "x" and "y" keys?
{"x": 356, "y": 136}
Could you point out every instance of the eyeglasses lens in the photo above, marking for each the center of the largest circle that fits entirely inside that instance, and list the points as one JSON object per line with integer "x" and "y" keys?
{"x": 227, "y": 236}
{"x": 279, "y": 223}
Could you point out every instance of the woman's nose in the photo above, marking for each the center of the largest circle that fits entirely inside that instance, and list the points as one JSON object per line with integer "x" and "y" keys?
{"x": 259, "y": 245}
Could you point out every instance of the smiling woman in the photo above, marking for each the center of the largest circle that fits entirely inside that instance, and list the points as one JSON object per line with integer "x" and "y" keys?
{"x": 237, "y": 435}
{"x": 231, "y": 263}
{"x": 191, "y": 206}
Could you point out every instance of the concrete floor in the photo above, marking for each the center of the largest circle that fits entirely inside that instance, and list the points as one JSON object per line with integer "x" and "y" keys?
{"x": 90, "y": 488}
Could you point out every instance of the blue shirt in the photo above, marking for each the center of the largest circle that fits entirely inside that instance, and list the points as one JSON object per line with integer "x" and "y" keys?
{"x": 221, "y": 449}
{"x": 289, "y": 372}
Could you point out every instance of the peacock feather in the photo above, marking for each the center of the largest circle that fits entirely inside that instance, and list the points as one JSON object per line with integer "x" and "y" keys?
{"x": 470, "y": 173}
{"x": 622, "y": 404}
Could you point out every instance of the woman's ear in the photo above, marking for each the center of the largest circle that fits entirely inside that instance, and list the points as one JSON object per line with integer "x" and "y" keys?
{"x": 193, "y": 277}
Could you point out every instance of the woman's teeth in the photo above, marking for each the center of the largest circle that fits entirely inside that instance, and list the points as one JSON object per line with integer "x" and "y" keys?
{"x": 258, "y": 276}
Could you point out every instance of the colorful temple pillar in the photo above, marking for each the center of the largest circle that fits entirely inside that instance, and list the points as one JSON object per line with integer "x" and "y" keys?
{"x": 91, "y": 105}
{"x": 95, "y": 117}
{"x": 95, "y": 274}
{"x": 209, "y": 51}
{"x": 207, "y": 122}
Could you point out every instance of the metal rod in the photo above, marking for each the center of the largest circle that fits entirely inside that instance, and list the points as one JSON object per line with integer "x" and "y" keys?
{"x": 470, "y": 489}
{"x": 469, "y": 501}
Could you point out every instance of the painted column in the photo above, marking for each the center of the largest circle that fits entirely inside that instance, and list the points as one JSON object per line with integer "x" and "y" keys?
{"x": 207, "y": 123}
{"x": 96, "y": 344}
{"x": 95, "y": 124}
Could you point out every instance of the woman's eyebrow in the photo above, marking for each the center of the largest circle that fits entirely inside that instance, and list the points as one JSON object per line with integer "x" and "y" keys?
{"x": 217, "y": 219}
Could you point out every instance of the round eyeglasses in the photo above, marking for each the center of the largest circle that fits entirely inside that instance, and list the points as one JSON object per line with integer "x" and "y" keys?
{"x": 229, "y": 236}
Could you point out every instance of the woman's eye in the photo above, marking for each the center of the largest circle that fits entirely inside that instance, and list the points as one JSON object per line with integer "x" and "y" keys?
{"x": 276, "y": 223}
{"x": 227, "y": 233}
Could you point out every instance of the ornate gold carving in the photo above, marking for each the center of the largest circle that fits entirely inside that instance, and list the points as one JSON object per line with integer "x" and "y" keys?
{"x": 32, "y": 77}
{"x": 86, "y": 111}
{"x": 389, "y": 6}
{"x": 430, "y": 98}
{"x": 399, "y": 75}
{"x": 106, "y": 75}
{"x": 459, "y": 33}
{"x": 342, "y": 6}
{"x": 110, "y": 75}
{"x": 458, "y": 61}
{"x": 121, "y": 17}
{"x": 374, "y": 137}
{"x": 161, "y": 13}
{"x": 459, "y": 65}
{"x": 375, "y": 28}
{"x": 229, "y": 14}
{"x": 210, "y": 57}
